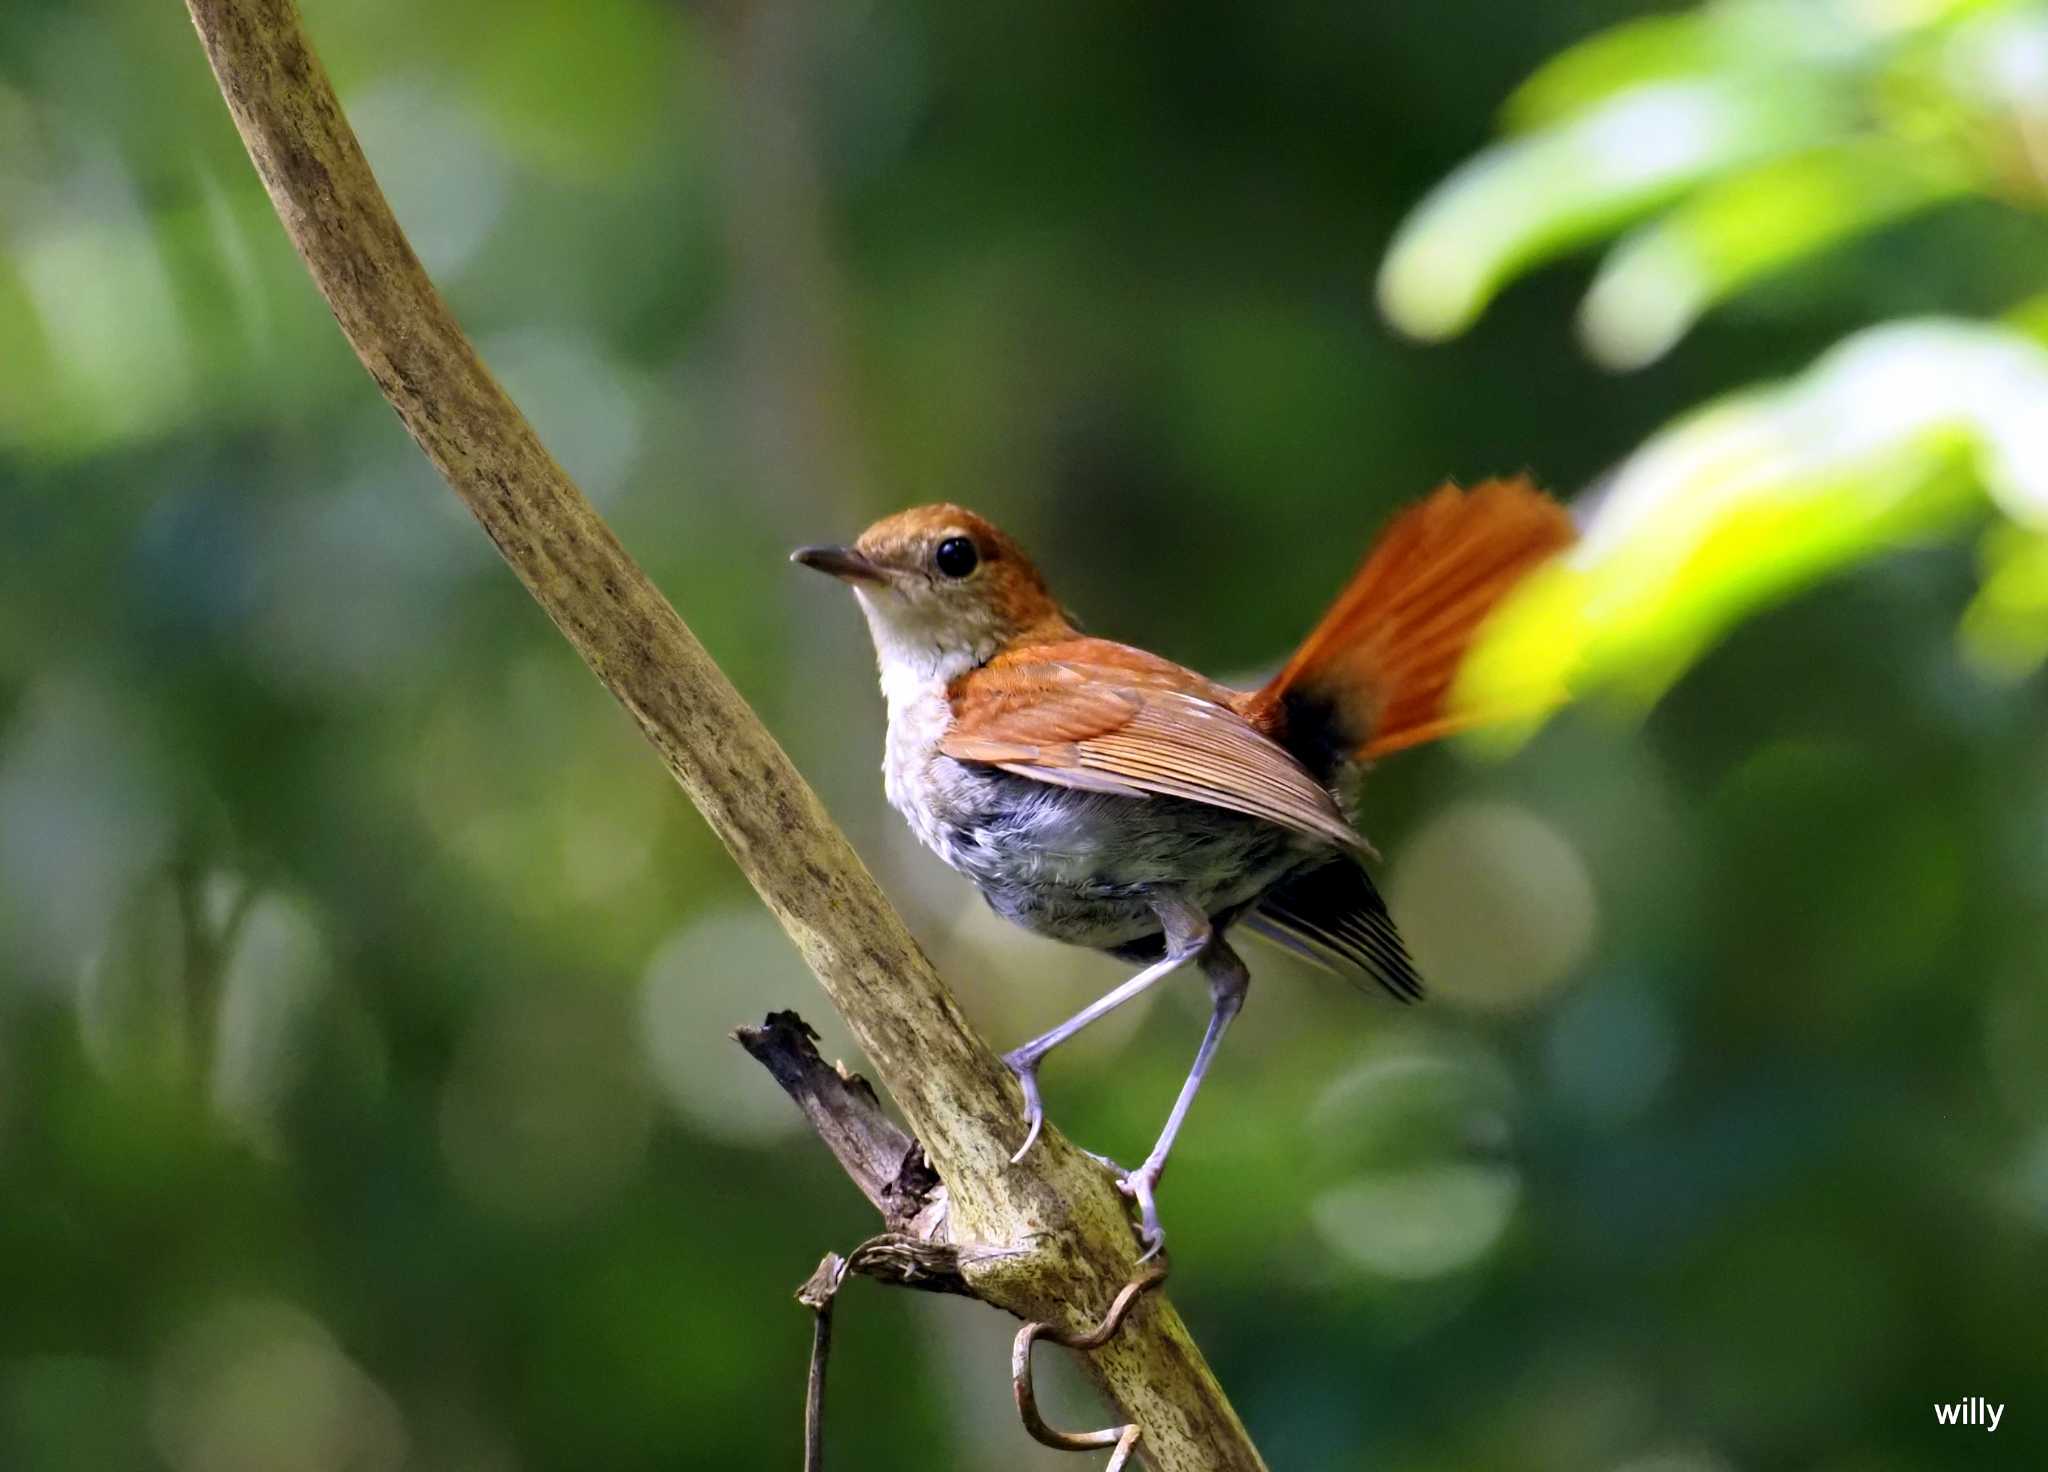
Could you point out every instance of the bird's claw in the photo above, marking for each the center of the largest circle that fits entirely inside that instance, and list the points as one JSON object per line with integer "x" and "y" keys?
{"x": 1025, "y": 1066}
{"x": 1141, "y": 1185}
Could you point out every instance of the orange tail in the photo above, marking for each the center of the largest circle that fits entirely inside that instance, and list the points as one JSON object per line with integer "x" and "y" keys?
{"x": 1376, "y": 674}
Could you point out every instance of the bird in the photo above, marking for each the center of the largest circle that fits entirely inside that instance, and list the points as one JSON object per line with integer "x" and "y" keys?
{"x": 1105, "y": 796}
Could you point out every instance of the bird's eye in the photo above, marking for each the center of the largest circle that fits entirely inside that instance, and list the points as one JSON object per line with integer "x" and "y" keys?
{"x": 956, "y": 557}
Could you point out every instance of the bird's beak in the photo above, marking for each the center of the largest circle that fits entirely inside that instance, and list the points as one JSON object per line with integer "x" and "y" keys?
{"x": 843, "y": 563}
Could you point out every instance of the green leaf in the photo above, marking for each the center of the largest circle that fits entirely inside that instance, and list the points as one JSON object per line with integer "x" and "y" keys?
{"x": 1777, "y": 128}
{"x": 1795, "y": 42}
{"x": 2005, "y": 628}
{"x": 1525, "y": 201}
{"x": 1659, "y": 48}
{"x": 1661, "y": 280}
{"x": 1900, "y": 431}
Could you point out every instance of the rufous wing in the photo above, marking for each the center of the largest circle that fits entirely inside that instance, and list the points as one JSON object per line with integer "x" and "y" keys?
{"x": 1103, "y": 717}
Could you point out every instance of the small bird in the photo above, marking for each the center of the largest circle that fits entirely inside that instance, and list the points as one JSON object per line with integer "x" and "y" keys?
{"x": 1107, "y": 797}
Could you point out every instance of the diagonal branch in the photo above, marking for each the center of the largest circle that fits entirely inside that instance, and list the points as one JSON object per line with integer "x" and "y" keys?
{"x": 954, "y": 1093}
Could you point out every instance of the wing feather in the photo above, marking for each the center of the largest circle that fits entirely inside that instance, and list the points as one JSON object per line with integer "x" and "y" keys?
{"x": 1334, "y": 915}
{"x": 1101, "y": 717}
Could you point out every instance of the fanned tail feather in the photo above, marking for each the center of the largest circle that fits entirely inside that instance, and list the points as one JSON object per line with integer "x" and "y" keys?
{"x": 1375, "y": 675}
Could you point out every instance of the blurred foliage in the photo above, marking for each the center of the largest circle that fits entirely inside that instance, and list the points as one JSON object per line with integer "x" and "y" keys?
{"x": 365, "y": 1101}
{"x": 1897, "y": 434}
{"x": 1733, "y": 143}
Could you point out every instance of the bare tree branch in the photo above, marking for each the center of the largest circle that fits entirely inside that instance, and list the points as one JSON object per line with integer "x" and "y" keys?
{"x": 883, "y": 1160}
{"x": 1070, "y": 1244}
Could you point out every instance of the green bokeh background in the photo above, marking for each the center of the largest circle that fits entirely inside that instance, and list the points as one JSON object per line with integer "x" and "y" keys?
{"x": 365, "y": 1101}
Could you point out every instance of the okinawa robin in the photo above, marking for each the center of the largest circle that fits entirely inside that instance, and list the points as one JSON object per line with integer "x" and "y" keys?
{"x": 1108, "y": 797}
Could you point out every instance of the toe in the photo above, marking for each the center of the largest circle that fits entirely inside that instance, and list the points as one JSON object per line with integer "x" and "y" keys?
{"x": 1109, "y": 1165}
{"x": 1139, "y": 1185}
{"x": 1025, "y": 1066}
{"x": 1030, "y": 1136}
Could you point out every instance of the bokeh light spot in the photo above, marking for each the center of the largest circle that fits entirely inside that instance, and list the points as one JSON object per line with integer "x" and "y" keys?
{"x": 260, "y": 1386}
{"x": 1418, "y": 1223}
{"x": 1417, "y": 1141}
{"x": 715, "y": 974}
{"x": 1496, "y": 904}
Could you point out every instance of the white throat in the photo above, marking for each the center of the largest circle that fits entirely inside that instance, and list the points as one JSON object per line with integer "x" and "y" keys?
{"x": 917, "y": 661}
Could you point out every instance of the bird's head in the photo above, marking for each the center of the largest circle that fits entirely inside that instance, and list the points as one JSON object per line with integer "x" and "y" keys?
{"x": 943, "y": 590}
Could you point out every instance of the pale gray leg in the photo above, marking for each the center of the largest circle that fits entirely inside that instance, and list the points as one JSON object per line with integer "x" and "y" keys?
{"x": 1186, "y": 930}
{"x": 1228, "y": 982}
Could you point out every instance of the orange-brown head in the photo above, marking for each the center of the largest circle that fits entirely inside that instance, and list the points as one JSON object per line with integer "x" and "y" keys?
{"x": 943, "y": 590}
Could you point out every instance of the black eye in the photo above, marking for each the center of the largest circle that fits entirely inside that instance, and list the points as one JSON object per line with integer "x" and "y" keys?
{"x": 956, "y": 557}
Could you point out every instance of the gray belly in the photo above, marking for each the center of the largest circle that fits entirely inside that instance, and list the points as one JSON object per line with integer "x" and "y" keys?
{"x": 1081, "y": 866}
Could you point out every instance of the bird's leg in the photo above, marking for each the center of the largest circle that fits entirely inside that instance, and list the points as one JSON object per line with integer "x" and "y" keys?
{"x": 1228, "y": 982}
{"x": 1186, "y": 931}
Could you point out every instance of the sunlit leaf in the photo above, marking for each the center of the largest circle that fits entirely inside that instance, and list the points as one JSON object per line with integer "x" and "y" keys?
{"x": 1658, "y": 48}
{"x": 1902, "y": 430}
{"x": 2005, "y": 628}
{"x": 1527, "y": 200}
{"x": 1796, "y": 42}
{"x": 1662, "y": 279}
{"x": 1998, "y": 61}
{"x": 1775, "y": 129}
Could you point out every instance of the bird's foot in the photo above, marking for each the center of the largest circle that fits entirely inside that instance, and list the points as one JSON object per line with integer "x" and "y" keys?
{"x": 1141, "y": 1185}
{"x": 1024, "y": 1063}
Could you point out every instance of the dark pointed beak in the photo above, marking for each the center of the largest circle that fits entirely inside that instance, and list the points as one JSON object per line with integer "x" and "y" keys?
{"x": 841, "y": 562}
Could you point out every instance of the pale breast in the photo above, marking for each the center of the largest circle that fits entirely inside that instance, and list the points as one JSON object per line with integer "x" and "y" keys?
{"x": 917, "y": 721}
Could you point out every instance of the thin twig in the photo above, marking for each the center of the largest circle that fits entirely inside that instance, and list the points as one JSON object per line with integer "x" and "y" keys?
{"x": 814, "y": 1392}
{"x": 889, "y": 1258}
{"x": 818, "y": 1294}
